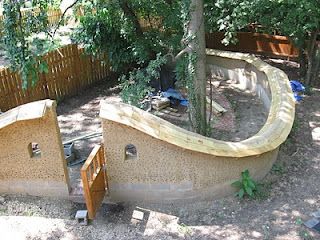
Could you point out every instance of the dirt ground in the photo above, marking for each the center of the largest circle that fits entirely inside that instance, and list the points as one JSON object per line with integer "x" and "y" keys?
{"x": 245, "y": 114}
{"x": 290, "y": 194}
{"x": 79, "y": 116}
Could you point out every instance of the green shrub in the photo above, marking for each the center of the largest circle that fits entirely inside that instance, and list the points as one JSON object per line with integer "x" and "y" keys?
{"x": 246, "y": 185}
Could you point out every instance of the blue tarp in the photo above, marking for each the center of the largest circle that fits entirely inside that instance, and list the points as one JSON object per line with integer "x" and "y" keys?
{"x": 173, "y": 94}
{"x": 297, "y": 87}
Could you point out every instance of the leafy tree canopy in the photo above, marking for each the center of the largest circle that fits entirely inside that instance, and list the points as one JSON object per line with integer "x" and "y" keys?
{"x": 131, "y": 32}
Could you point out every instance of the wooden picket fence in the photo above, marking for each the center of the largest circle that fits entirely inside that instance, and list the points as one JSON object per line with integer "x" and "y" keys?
{"x": 70, "y": 71}
{"x": 54, "y": 16}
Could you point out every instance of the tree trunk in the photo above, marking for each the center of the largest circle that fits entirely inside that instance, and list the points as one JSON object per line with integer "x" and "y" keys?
{"x": 197, "y": 67}
{"x": 311, "y": 56}
{"x": 316, "y": 68}
{"x": 303, "y": 64}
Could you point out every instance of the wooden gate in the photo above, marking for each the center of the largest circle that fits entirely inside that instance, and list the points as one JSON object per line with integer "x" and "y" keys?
{"x": 94, "y": 179}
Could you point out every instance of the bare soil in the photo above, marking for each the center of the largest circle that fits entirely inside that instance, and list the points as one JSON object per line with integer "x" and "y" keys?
{"x": 244, "y": 118}
{"x": 79, "y": 116}
{"x": 290, "y": 194}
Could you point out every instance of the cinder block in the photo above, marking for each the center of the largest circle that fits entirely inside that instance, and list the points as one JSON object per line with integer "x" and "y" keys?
{"x": 140, "y": 186}
{"x": 160, "y": 187}
{"x": 68, "y": 149}
{"x": 82, "y": 217}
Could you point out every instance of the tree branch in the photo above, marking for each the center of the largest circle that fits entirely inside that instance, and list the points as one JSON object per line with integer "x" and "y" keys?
{"x": 182, "y": 52}
{"x": 62, "y": 17}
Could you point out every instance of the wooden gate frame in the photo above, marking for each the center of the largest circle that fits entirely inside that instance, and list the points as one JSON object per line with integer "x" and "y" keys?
{"x": 94, "y": 179}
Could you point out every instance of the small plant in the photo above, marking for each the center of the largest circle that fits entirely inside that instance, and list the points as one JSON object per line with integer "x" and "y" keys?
{"x": 305, "y": 235}
{"x": 299, "y": 221}
{"x": 246, "y": 185}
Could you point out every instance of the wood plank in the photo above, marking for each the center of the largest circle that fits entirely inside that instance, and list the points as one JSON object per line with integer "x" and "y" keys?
{"x": 94, "y": 182}
{"x": 216, "y": 108}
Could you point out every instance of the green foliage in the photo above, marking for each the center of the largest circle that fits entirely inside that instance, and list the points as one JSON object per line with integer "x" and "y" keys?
{"x": 246, "y": 185}
{"x": 54, "y": 4}
{"x": 131, "y": 33}
{"x": 181, "y": 71}
{"x": 136, "y": 86}
{"x": 100, "y": 32}
{"x": 305, "y": 235}
{"x": 229, "y": 16}
{"x": 292, "y": 18}
{"x": 114, "y": 28}
{"x": 296, "y": 19}
{"x": 23, "y": 48}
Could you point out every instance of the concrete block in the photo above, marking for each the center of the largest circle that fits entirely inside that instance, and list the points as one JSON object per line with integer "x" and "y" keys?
{"x": 68, "y": 149}
{"x": 139, "y": 186}
{"x": 82, "y": 217}
{"x": 70, "y": 158}
{"x": 138, "y": 215}
{"x": 160, "y": 187}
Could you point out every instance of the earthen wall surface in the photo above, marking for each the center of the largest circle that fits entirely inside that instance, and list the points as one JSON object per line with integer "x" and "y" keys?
{"x": 21, "y": 171}
{"x": 175, "y": 164}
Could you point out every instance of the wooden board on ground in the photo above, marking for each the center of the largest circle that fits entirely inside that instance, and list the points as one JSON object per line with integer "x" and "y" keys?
{"x": 216, "y": 108}
{"x": 166, "y": 111}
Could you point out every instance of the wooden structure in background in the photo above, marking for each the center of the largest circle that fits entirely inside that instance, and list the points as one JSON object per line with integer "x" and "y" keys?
{"x": 54, "y": 16}
{"x": 248, "y": 42}
{"x": 70, "y": 71}
{"x": 93, "y": 175}
{"x": 257, "y": 43}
